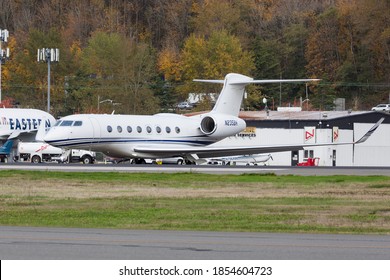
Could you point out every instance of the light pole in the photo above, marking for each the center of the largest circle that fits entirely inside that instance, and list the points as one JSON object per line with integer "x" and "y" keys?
{"x": 4, "y": 53}
{"x": 48, "y": 55}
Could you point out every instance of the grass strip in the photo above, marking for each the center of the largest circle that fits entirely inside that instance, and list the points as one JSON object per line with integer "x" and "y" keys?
{"x": 335, "y": 204}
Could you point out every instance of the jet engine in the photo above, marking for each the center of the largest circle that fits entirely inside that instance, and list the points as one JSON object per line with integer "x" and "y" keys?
{"x": 221, "y": 126}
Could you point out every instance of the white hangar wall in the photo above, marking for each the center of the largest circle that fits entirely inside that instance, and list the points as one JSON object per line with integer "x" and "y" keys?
{"x": 374, "y": 152}
{"x": 279, "y": 136}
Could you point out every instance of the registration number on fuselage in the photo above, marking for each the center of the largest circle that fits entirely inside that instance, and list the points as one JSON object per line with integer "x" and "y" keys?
{"x": 231, "y": 123}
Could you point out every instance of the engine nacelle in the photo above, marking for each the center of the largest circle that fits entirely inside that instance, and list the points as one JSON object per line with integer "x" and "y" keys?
{"x": 221, "y": 126}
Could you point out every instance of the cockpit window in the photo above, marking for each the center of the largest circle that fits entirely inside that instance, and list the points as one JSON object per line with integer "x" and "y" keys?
{"x": 66, "y": 123}
{"x": 78, "y": 123}
{"x": 57, "y": 123}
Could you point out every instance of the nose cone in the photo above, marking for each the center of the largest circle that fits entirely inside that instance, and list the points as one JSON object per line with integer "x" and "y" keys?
{"x": 52, "y": 137}
{"x": 48, "y": 137}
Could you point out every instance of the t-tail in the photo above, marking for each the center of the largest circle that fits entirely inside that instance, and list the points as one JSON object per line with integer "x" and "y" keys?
{"x": 232, "y": 93}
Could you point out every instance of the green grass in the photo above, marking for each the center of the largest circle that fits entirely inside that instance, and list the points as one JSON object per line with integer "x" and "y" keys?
{"x": 336, "y": 204}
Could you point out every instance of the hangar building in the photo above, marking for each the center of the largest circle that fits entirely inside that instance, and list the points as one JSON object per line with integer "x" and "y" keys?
{"x": 318, "y": 127}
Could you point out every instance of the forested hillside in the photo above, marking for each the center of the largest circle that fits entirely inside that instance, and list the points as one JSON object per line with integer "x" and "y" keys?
{"x": 143, "y": 54}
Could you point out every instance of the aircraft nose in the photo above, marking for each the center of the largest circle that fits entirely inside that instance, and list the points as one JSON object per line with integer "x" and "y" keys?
{"x": 50, "y": 137}
{"x": 47, "y": 138}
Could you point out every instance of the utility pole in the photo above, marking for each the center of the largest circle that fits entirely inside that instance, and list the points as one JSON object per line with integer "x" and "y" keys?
{"x": 48, "y": 55}
{"x": 4, "y": 53}
{"x": 280, "y": 91}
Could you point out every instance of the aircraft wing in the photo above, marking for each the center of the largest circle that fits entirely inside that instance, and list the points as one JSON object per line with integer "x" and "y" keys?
{"x": 13, "y": 134}
{"x": 5, "y": 134}
{"x": 216, "y": 151}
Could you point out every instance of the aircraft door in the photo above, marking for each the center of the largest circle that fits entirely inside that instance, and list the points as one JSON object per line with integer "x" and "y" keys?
{"x": 96, "y": 131}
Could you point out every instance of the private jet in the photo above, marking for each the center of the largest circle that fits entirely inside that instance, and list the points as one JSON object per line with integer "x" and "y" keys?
{"x": 242, "y": 160}
{"x": 171, "y": 135}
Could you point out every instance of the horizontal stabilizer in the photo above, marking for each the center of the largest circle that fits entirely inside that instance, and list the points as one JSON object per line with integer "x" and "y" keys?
{"x": 230, "y": 98}
{"x": 274, "y": 81}
{"x": 210, "y": 81}
{"x": 247, "y": 81}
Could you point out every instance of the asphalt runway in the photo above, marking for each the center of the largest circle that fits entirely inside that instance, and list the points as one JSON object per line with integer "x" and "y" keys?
{"x": 210, "y": 169}
{"x": 29, "y": 243}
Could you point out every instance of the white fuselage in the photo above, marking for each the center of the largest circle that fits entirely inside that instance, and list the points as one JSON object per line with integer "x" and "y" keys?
{"x": 117, "y": 135}
{"x": 163, "y": 135}
{"x": 22, "y": 120}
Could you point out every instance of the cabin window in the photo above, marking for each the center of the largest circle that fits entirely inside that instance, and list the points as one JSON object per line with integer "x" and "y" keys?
{"x": 168, "y": 129}
{"x": 129, "y": 129}
{"x": 119, "y": 128}
{"x": 66, "y": 123}
{"x": 158, "y": 129}
{"x": 109, "y": 128}
{"x": 78, "y": 123}
{"x": 148, "y": 129}
{"x": 139, "y": 129}
{"x": 177, "y": 129}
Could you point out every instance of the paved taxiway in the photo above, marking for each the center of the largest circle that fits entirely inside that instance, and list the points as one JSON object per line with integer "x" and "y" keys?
{"x": 211, "y": 169}
{"x": 71, "y": 243}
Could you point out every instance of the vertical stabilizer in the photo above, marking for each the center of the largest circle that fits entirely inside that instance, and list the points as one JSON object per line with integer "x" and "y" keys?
{"x": 230, "y": 98}
{"x": 232, "y": 93}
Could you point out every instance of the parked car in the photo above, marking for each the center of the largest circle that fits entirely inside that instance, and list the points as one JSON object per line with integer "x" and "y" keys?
{"x": 184, "y": 105}
{"x": 174, "y": 160}
{"x": 381, "y": 107}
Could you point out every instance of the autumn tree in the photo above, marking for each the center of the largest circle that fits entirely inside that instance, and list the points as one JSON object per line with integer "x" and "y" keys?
{"x": 215, "y": 16}
{"x": 344, "y": 42}
{"x": 212, "y": 58}
{"x": 28, "y": 78}
{"x": 121, "y": 70}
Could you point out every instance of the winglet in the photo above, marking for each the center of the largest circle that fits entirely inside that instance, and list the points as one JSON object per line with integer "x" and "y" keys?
{"x": 370, "y": 132}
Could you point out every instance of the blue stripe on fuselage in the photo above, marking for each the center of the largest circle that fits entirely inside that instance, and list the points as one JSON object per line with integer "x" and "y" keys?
{"x": 89, "y": 141}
